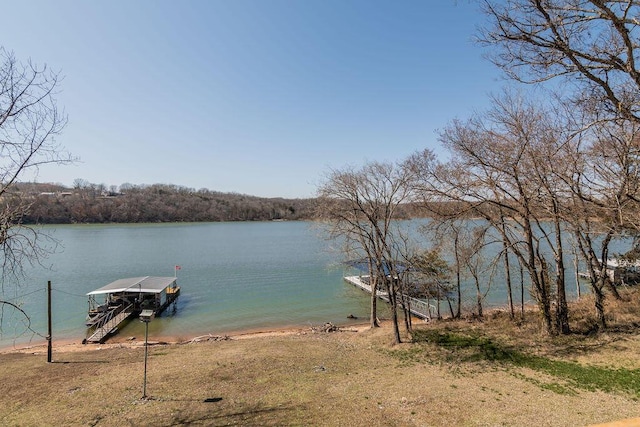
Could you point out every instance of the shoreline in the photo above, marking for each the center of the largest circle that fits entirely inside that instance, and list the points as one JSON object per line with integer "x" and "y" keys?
{"x": 67, "y": 345}
{"x": 127, "y": 341}
{"x": 64, "y": 345}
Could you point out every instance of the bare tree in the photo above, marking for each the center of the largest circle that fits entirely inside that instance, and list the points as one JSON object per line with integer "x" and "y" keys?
{"x": 507, "y": 263}
{"x": 429, "y": 276}
{"x": 30, "y": 121}
{"x": 360, "y": 206}
{"x": 606, "y": 197}
{"x": 501, "y": 168}
{"x": 449, "y": 232}
{"x": 474, "y": 262}
{"x": 592, "y": 44}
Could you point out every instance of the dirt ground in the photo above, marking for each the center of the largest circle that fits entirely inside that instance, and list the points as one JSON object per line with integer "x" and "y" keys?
{"x": 353, "y": 377}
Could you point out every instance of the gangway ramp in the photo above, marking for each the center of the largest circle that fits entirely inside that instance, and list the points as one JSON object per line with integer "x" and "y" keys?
{"x": 110, "y": 324}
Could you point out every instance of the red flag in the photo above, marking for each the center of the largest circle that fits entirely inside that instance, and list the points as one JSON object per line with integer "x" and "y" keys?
{"x": 178, "y": 267}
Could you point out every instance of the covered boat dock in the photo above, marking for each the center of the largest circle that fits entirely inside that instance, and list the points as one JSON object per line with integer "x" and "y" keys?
{"x": 125, "y": 298}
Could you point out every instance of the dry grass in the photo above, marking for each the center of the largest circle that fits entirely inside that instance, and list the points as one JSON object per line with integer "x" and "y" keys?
{"x": 333, "y": 379}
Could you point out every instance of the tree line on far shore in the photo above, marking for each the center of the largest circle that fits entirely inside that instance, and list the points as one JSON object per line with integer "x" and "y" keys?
{"x": 94, "y": 203}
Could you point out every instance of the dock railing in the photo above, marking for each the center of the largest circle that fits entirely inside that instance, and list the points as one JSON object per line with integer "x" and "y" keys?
{"x": 109, "y": 323}
{"x": 418, "y": 307}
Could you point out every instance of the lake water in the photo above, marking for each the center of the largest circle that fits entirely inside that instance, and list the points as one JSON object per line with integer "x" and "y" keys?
{"x": 234, "y": 277}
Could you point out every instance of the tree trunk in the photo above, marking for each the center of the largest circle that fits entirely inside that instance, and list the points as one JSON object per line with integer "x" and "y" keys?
{"x": 406, "y": 309}
{"x": 450, "y": 307}
{"x": 545, "y": 302}
{"x": 576, "y": 266}
{"x": 391, "y": 289}
{"x": 600, "y": 281}
{"x": 374, "y": 301}
{"x": 562, "y": 309}
{"x": 458, "y": 279}
{"x": 478, "y": 297}
{"x": 521, "y": 292}
{"x": 538, "y": 274}
{"x": 613, "y": 289}
{"x": 507, "y": 269}
{"x": 507, "y": 272}
{"x": 599, "y": 303}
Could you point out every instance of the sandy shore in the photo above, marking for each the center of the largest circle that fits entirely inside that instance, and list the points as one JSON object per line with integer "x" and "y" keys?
{"x": 117, "y": 341}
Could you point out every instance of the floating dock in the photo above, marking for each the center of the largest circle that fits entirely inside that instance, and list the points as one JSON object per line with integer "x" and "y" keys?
{"x": 619, "y": 271}
{"x": 419, "y": 308}
{"x": 124, "y": 299}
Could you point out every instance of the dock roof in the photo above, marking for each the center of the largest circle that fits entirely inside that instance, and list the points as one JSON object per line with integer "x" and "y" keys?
{"x": 147, "y": 284}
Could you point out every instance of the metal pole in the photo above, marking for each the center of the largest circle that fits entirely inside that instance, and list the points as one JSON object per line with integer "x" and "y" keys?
{"x": 146, "y": 336}
{"x": 49, "y": 343}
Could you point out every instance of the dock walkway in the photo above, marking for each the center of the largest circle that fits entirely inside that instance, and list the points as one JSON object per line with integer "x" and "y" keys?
{"x": 419, "y": 308}
{"x": 110, "y": 325}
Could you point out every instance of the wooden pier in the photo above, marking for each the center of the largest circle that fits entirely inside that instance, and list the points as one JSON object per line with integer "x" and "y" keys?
{"x": 419, "y": 308}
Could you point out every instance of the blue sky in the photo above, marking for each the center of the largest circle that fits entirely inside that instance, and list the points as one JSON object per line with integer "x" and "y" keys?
{"x": 260, "y": 97}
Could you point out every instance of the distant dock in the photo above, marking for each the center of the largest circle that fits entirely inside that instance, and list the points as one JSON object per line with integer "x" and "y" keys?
{"x": 620, "y": 272}
{"x": 419, "y": 308}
